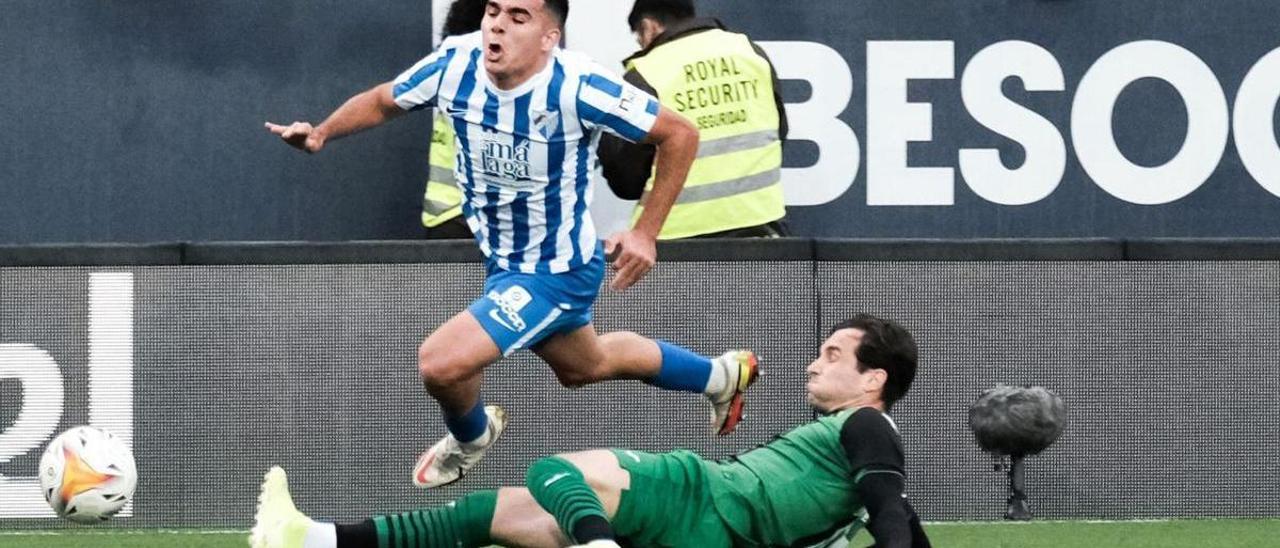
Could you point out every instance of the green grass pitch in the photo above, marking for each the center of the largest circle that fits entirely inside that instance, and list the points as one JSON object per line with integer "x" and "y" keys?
{"x": 1058, "y": 534}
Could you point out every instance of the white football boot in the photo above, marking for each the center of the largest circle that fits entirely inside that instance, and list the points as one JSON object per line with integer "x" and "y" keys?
{"x": 448, "y": 460}
{"x": 741, "y": 369}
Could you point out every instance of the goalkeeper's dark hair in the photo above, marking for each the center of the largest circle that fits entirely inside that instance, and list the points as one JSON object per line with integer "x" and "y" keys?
{"x": 888, "y": 346}
{"x": 464, "y": 17}
{"x": 662, "y": 11}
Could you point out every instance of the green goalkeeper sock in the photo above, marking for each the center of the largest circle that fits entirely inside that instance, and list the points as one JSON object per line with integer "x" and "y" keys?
{"x": 464, "y": 523}
{"x": 562, "y": 491}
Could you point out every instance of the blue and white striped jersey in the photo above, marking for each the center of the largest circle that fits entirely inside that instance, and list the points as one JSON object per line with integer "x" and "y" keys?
{"x": 526, "y": 156}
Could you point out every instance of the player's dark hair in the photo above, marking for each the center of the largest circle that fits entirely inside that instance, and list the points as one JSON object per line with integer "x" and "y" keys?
{"x": 464, "y": 17}
{"x": 888, "y": 346}
{"x": 662, "y": 11}
{"x": 559, "y": 9}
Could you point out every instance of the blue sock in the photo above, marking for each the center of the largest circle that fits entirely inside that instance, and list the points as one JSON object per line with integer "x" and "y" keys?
{"x": 681, "y": 369}
{"x": 470, "y": 426}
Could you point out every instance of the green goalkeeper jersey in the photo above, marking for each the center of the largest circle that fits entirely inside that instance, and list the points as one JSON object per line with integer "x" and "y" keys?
{"x": 800, "y": 487}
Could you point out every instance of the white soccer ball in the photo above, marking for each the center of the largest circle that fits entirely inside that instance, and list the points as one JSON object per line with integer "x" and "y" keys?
{"x": 87, "y": 474}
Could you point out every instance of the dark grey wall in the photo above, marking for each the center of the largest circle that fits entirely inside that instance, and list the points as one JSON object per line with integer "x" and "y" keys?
{"x": 1168, "y": 369}
{"x": 134, "y": 120}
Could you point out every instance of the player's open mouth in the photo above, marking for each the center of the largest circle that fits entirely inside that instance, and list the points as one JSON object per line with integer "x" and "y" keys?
{"x": 494, "y": 51}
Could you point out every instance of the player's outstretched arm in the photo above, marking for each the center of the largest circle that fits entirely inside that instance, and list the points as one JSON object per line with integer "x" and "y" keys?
{"x": 636, "y": 249}
{"x": 363, "y": 111}
{"x": 677, "y": 142}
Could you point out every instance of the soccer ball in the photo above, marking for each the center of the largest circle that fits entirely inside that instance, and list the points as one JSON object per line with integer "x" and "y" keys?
{"x": 87, "y": 474}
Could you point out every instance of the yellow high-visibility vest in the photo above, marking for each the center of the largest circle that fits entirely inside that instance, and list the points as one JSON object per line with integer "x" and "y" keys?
{"x": 443, "y": 199}
{"x": 717, "y": 81}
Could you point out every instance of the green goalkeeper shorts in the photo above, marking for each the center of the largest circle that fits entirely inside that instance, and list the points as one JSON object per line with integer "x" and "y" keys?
{"x": 669, "y": 502}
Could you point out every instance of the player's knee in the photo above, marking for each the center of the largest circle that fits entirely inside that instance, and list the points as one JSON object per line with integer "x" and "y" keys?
{"x": 618, "y": 343}
{"x": 426, "y": 361}
{"x": 578, "y": 378}
{"x": 437, "y": 372}
{"x": 547, "y": 468}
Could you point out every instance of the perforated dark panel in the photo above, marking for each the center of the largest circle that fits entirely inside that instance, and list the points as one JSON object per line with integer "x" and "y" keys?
{"x": 314, "y": 368}
{"x": 1168, "y": 370}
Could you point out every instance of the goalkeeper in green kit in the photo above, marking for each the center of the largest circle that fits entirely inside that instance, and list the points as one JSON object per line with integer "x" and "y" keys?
{"x": 816, "y": 485}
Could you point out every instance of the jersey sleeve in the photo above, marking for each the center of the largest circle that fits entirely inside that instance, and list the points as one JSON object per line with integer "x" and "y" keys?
{"x": 607, "y": 101}
{"x": 627, "y": 166}
{"x": 875, "y": 453}
{"x": 871, "y": 443}
{"x": 417, "y": 87}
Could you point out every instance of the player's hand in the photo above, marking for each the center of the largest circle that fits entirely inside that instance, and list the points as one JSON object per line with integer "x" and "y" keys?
{"x": 299, "y": 135}
{"x": 633, "y": 254}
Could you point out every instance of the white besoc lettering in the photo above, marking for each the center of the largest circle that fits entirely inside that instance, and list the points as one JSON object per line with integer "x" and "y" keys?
{"x": 817, "y": 120}
{"x": 110, "y": 391}
{"x": 1046, "y": 158}
{"x": 893, "y": 122}
{"x": 1091, "y": 116}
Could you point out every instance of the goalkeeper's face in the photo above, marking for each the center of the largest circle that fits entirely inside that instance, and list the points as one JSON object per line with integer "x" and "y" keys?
{"x": 835, "y": 380}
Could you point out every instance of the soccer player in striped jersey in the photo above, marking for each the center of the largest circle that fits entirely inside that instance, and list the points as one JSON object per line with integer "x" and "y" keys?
{"x": 528, "y": 117}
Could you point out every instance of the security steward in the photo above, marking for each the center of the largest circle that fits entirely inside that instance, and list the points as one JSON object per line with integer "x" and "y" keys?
{"x": 726, "y": 86}
{"x": 442, "y": 200}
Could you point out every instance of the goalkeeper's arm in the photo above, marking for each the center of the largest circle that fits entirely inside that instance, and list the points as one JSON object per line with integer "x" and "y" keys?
{"x": 875, "y": 455}
{"x": 892, "y": 521}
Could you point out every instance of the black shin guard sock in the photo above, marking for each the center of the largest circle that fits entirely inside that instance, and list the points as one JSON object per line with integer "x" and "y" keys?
{"x": 358, "y": 535}
{"x": 592, "y": 527}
